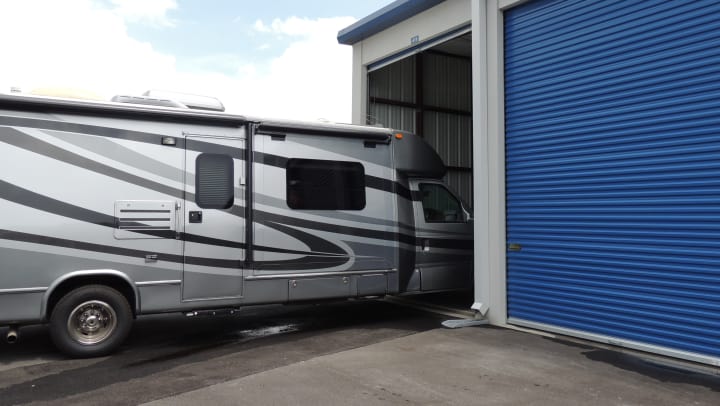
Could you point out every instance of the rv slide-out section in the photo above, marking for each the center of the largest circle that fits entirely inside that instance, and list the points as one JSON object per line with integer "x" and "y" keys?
{"x": 115, "y": 210}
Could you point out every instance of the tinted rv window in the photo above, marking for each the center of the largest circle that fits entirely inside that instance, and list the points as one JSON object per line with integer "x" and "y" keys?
{"x": 214, "y": 181}
{"x": 439, "y": 205}
{"x": 313, "y": 184}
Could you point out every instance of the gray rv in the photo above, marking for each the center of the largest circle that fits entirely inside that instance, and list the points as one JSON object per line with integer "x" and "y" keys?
{"x": 112, "y": 210}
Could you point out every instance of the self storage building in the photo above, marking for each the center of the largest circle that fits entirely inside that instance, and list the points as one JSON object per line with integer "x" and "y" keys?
{"x": 586, "y": 134}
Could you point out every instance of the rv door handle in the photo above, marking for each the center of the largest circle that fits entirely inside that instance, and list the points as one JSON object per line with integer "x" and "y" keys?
{"x": 426, "y": 245}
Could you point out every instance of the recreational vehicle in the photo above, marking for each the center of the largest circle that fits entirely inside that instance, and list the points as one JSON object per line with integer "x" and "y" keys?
{"x": 112, "y": 210}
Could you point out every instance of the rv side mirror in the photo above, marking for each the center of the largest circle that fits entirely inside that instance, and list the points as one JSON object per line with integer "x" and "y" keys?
{"x": 467, "y": 216}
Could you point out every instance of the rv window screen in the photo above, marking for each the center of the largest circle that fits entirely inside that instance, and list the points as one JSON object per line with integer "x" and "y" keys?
{"x": 214, "y": 181}
{"x": 314, "y": 184}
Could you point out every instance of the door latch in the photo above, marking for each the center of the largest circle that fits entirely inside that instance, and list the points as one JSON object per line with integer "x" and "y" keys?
{"x": 195, "y": 217}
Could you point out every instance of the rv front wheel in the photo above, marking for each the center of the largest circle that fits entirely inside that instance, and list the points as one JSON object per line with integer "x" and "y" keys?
{"x": 90, "y": 321}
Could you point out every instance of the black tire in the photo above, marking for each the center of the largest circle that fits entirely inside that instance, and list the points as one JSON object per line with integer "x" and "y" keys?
{"x": 90, "y": 321}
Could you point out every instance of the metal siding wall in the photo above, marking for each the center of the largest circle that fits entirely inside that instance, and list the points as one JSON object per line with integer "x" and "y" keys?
{"x": 447, "y": 83}
{"x": 450, "y": 135}
{"x": 397, "y": 117}
{"x": 613, "y": 168}
{"x": 395, "y": 81}
{"x": 460, "y": 182}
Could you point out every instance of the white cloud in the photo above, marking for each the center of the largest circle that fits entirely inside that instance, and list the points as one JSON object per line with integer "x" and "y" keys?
{"x": 312, "y": 78}
{"x": 261, "y": 27}
{"x": 72, "y": 43}
{"x": 153, "y": 12}
{"x": 80, "y": 43}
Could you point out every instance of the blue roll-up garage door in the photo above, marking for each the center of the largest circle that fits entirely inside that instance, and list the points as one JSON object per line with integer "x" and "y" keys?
{"x": 613, "y": 171}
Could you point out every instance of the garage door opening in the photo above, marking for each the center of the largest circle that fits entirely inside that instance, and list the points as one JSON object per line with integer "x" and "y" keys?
{"x": 430, "y": 93}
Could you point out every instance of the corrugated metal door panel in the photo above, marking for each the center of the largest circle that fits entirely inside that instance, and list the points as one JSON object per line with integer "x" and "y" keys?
{"x": 613, "y": 169}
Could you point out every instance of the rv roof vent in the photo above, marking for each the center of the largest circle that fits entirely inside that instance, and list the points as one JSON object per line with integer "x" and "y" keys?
{"x": 147, "y": 101}
{"x": 192, "y": 101}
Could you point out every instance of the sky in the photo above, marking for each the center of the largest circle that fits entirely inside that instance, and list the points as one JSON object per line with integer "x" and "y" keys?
{"x": 271, "y": 58}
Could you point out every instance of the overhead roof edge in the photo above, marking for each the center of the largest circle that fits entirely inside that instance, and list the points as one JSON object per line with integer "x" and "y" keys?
{"x": 384, "y": 18}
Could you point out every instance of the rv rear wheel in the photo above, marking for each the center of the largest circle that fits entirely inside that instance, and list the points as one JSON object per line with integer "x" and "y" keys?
{"x": 90, "y": 321}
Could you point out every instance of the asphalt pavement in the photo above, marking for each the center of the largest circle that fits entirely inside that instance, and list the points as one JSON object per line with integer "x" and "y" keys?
{"x": 355, "y": 353}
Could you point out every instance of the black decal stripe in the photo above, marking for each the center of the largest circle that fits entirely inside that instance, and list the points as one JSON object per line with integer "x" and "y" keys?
{"x": 265, "y": 217}
{"x": 306, "y": 263}
{"x": 106, "y": 249}
{"x": 238, "y": 211}
{"x": 387, "y": 185}
{"x": 287, "y": 251}
{"x": 118, "y": 133}
{"x": 214, "y": 262}
{"x": 28, "y": 198}
{"x": 139, "y": 136}
{"x": 24, "y": 141}
{"x": 191, "y": 144}
{"x": 21, "y": 140}
{"x": 199, "y": 239}
{"x": 81, "y": 245}
{"x": 316, "y": 244}
{"x": 168, "y": 234}
{"x": 270, "y": 159}
{"x": 25, "y": 197}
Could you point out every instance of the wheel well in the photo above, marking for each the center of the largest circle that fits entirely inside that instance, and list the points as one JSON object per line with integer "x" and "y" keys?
{"x": 115, "y": 282}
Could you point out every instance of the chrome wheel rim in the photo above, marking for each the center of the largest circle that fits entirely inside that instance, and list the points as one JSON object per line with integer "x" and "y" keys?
{"x": 91, "y": 322}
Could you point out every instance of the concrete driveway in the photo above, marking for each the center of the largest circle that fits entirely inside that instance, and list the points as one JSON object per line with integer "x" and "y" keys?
{"x": 362, "y": 353}
{"x": 471, "y": 366}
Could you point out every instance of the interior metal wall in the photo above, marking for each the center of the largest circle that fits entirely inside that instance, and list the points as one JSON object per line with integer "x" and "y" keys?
{"x": 393, "y": 82}
{"x": 429, "y": 94}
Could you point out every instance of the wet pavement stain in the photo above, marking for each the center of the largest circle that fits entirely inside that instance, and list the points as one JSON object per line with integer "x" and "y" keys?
{"x": 216, "y": 350}
{"x": 229, "y": 339}
{"x": 570, "y": 343}
{"x": 656, "y": 371}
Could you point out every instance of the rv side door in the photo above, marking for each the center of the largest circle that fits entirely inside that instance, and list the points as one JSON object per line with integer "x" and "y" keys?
{"x": 443, "y": 252}
{"x": 214, "y": 217}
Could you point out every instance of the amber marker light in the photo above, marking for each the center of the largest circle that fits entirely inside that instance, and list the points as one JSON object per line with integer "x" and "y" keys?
{"x": 398, "y": 136}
